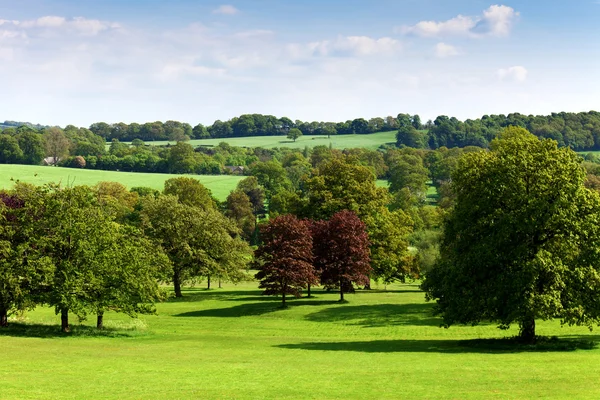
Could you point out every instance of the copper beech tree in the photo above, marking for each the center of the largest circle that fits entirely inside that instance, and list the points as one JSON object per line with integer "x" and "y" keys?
{"x": 285, "y": 257}
{"x": 341, "y": 252}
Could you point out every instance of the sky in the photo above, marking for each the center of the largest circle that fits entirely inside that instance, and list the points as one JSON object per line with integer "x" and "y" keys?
{"x": 83, "y": 61}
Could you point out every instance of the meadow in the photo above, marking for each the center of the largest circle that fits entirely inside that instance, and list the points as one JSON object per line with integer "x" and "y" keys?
{"x": 371, "y": 141}
{"x": 219, "y": 185}
{"x": 235, "y": 343}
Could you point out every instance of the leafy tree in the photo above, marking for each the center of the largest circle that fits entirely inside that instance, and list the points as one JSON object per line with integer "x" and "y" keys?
{"x": 198, "y": 242}
{"x": 285, "y": 257}
{"x": 20, "y": 278}
{"x": 271, "y": 175}
{"x": 342, "y": 252}
{"x": 294, "y": 134}
{"x": 239, "y": 209}
{"x": 522, "y": 239}
{"x": 57, "y": 143}
{"x": 32, "y": 145}
{"x": 181, "y": 159}
{"x": 410, "y": 137}
{"x": 10, "y": 152}
{"x": 329, "y": 130}
{"x": 127, "y": 273}
{"x": 190, "y": 192}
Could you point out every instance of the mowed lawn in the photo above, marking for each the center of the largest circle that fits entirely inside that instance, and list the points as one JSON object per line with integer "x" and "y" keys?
{"x": 219, "y": 185}
{"x": 371, "y": 141}
{"x": 232, "y": 343}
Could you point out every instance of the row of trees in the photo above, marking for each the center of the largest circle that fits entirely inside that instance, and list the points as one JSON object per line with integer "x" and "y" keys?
{"x": 295, "y": 254}
{"x": 89, "y": 250}
{"x": 579, "y": 131}
{"x": 242, "y": 126}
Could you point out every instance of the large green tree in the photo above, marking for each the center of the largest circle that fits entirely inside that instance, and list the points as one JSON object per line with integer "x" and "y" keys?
{"x": 199, "y": 243}
{"x": 522, "y": 240}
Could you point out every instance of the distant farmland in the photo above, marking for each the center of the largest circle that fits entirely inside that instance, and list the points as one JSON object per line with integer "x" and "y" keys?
{"x": 371, "y": 141}
{"x": 220, "y": 185}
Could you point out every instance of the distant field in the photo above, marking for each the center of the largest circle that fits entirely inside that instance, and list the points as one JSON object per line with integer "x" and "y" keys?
{"x": 371, "y": 141}
{"x": 220, "y": 185}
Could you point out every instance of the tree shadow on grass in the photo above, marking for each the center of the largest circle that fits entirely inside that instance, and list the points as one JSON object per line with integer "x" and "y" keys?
{"x": 490, "y": 346}
{"x": 19, "y": 329}
{"x": 254, "y": 309}
{"x": 202, "y": 294}
{"x": 379, "y": 315}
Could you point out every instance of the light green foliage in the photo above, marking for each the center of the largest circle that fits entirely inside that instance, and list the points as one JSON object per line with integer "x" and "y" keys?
{"x": 271, "y": 175}
{"x": 57, "y": 144}
{"x": 219, "y": 185}
{"x": 294, "y": 134}
{"x": 199, "y": 242}
{"x": 522, "y": 239}
{"x": 189, "y": 192}
{"x": 342, "y": 184}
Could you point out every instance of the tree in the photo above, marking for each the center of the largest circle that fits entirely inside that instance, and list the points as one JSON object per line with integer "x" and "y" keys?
{"x": 342, "y": 252}
{"x": 181, "y": 159}
{"x": 271, "y": 175}
{"x": 294, "y": 134}
{"x": 239, "y": 209}
{"x": 190, "y": 192}
{"x": 57, "y": 144}
{"x": 198, "y": 242}
{"x": 522, "y": 239}
{"x": 127, "y": 273}
{"x": 32, "y": 145}
{"x": 329, "y": 130}
{"x": 20, "y": 275}
{"x": 285, "y": 257}
{"x": 10, "y": 152}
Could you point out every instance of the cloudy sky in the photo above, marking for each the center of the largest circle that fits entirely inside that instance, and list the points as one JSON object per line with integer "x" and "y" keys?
{"x": 82, "y": 61}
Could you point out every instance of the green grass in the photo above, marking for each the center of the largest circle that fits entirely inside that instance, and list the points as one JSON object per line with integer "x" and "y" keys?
{"x": 371, "y": 141}
{"x": 220, "y": 185}
{"x": 234, "y": 343}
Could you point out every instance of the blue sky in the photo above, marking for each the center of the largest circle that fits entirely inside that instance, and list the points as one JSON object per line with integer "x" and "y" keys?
{"x": 84, "y": 61}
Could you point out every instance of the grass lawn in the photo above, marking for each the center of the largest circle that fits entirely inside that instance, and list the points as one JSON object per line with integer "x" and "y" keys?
{"x": 234, "y": 343}
{"x": 220, "y": 185}
{"x": 371, "y": 141}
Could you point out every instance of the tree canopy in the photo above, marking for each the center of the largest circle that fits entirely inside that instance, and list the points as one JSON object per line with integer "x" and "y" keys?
{"x": 522, "y": 239}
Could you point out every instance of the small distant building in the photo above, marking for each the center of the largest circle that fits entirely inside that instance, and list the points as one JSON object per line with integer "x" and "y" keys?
{"x": 235, "y": 169}
{"x": 51, "y": 160}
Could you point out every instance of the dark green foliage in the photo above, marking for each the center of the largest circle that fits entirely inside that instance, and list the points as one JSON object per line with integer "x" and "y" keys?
{"x": 522, "y": 239}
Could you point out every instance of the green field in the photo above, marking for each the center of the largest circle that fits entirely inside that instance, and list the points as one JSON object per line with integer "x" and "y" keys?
{"x": 371, "y": 141}
{"x": 234, "y": 343}
{"x": 220, "y": 185}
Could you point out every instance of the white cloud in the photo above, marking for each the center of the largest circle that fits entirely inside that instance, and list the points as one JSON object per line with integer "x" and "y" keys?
{"x": 226, "y": 9}
{"x": 497, "y": 20}
{"x": 515, "y": 74}
{"x": 443, "y": 50}
{"x": 78, "y": 25}
{"x": 358, "y": 46}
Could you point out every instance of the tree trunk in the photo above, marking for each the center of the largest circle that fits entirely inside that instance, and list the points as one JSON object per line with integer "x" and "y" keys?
{"x": 3, "y": 318}
{"x": 308, "y": 290}
{"x": 527, "y": 331}
{"x": 220, "y": 283}
{"x": 177, "y": 284}
{"x": 367, "y": 286}
{"x": 341, "y": 290}
{"x": 283, "y": 300}
{"x": 208, "y": 282}
{"x": 64, "y": 321}
{"x": 100, "y": 321}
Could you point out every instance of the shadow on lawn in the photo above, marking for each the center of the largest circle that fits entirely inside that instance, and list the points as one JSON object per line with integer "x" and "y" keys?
{"x": 491, "y": 346}
{"x": 18, "y": 329}
{"x": 379, "y": 315}
{"x": 254, "y": 309}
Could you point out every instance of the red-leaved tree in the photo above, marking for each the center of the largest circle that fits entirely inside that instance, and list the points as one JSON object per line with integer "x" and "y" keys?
{"x": 341, "y": 252}
{"x": 285, "y": 257}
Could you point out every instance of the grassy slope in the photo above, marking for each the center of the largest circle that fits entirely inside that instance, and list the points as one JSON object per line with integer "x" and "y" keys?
{"x": 220, "y": 185}
{"x": 371, "y": 141}
{"x": 233, "y": 343}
